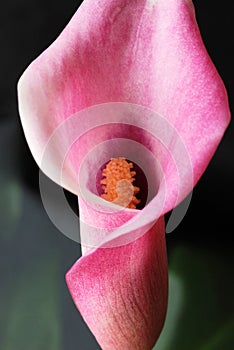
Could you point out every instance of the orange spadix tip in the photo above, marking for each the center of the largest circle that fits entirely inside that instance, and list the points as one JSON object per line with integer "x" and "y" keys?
{"x": 117, "y": 183}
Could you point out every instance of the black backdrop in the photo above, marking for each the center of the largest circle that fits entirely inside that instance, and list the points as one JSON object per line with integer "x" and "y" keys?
{"x": 27, "y": 28}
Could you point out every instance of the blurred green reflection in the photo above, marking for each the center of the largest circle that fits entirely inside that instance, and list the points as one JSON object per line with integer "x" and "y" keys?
{"x": 10, "y": 206}
{"x": 201, "y": 307}
{"x": 31, "y": 309}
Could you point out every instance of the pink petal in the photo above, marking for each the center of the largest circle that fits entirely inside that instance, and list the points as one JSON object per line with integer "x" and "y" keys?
{"x": 147, "y": 53}
{"x": 122, "y": 292}
{"x": 144, "y": 52}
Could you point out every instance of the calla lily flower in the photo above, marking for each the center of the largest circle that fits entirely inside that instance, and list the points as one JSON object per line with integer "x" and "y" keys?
{"x": 124, "y": 79}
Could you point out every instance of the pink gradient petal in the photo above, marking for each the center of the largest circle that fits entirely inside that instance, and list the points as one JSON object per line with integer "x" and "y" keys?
{"x": 122, "y": 292}
{"x": 143, "y": 52}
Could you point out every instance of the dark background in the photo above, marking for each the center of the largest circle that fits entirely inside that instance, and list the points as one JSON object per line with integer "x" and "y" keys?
{"x": 36, "y": 310}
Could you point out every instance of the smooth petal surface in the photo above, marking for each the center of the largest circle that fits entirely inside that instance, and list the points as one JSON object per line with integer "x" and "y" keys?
{"x": 122, "y": 292}
{"x": 146, "y": 53}
{"x": 143, "y": 52}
